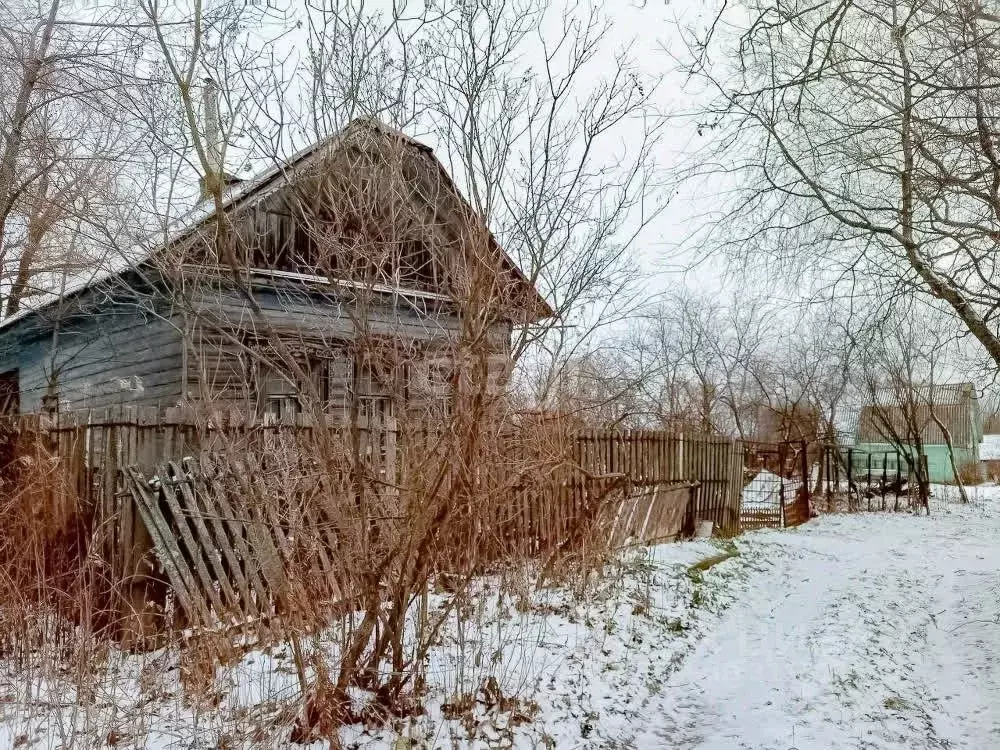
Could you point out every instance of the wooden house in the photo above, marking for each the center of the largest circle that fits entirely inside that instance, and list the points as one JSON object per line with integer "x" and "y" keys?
{"x": 356, "y": 265}
{"x": 891, "y": 420}
{"x": 791, "y": 422}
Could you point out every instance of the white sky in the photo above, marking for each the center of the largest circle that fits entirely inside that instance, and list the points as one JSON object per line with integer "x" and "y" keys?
{"x": 648, "y": 32}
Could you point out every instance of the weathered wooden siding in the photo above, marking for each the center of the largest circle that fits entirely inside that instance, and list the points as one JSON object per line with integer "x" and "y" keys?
{"x": 314, "y": 324}
{"x": 138, "y": 351}
{"x": 317, "y": 316}
{"x": 111, "y": 355}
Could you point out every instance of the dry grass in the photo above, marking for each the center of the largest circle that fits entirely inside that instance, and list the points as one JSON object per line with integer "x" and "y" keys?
{"x": 450, "y": 515}
{"x": 971, "y": 474}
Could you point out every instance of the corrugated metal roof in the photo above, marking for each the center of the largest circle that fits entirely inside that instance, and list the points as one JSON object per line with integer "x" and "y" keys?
{"x": 896, "y": 414}
{"x": 939, "y": 394}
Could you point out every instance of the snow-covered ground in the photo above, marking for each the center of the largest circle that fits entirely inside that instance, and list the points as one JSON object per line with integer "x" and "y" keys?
{"x": 872, "y": 630}
{"x": 989, "y": 449}
{"x": 863, "y": 631}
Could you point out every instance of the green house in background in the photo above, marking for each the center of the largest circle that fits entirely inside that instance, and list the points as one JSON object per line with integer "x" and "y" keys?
{"x": 892, "y": 419}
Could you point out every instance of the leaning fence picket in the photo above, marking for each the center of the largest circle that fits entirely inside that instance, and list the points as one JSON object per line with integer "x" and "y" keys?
{"x": 624, "y": 486}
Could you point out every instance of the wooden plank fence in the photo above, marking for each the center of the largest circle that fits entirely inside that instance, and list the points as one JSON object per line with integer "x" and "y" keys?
{"x": 651, "y": 514}
{"x": 619, "y": 487}
{"x": 712, "y": 464}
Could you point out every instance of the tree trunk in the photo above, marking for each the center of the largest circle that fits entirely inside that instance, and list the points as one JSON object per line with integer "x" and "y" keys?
{"x": 18, "y": 121}
{"x": 951, "y": 455}
{"x": 38, "y": 225}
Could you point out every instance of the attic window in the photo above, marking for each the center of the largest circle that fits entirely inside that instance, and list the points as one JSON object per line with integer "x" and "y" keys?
{"x": 281, "y": 241}
{"x": 416, "y": 265}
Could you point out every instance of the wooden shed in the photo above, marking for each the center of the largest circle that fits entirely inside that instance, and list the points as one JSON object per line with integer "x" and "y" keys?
{"x": 892, "y": 419}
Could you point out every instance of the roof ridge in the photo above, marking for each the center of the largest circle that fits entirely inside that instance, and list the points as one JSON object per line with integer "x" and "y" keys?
{"x": 143, "y": 249}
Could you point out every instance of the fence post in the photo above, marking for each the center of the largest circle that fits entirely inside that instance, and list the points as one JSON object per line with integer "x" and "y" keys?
{"x": 682, "y": 473}
{"x": 781, "y": 483}
{"x": 869, "y": 493}
{"x": 805, "y": 474}
{"x": 926, "y": 474}
{"x": 733, "y": 489}
{"x": 832, "y": 475}
{"x": 885, "y": 475}
{"x": 825, "y": 467}
{"x": 899, "y": 482}
{"x": 850, "y": 478}
{"x": 835, "y": 460}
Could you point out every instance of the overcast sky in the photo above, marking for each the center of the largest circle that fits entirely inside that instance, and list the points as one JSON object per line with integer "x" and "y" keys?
{"x": 648, "y": 33}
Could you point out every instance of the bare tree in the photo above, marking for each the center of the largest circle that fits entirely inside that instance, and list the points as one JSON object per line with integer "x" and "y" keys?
{"x": 861, "y": 138}
{"x": 680, "y": 391}
{"x": 703, "y": 361}
{"x": 537, "y": 150}
{"x": 603, "y": 388}
{"x": 31, "y": 51}
{"x": 900, "y": 363}
{"x": 63, "y": 142}
{"x": 411, "y": 259}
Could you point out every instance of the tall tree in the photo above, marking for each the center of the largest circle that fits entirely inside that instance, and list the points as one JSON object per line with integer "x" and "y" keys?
{"x": 861, "y": 140}
{"x": 62, "y": 136}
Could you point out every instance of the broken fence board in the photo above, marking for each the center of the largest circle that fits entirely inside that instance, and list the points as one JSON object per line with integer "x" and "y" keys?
{"x": 209, "y": 544}
{"x": 222, "y": 536}
{"x": 169, "y": 554}
{"x": 195, "y": 552}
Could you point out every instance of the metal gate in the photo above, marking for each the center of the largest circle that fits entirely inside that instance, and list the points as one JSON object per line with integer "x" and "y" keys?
{"x": 853, "y": 480}
{"x": 775, "y": 485}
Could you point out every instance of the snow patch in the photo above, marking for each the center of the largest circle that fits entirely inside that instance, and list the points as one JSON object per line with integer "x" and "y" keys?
{"x": 871, "y": 630}
{"x": 767, "y": 488}
{"x": 989, "y": 449}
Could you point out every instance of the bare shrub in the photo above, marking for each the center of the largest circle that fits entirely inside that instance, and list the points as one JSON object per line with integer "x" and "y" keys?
{"x": 47, "y": 582}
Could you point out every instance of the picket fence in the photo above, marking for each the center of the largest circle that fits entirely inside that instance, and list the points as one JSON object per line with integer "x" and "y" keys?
{"x": 623, "y": 487}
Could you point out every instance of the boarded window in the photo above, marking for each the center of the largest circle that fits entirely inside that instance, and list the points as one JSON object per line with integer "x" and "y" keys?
{"x": 377, "y": 385}
{"x": 281, "y": 398}
{"x": 431, "y": 388}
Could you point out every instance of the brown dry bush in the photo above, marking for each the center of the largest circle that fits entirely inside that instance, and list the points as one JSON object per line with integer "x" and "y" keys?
{"x": 48, "y": 583}
{"x": 365, "y": 545}
{"x": 971, "y": 474}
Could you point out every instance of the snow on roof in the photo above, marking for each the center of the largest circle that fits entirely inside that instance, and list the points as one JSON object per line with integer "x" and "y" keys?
{"x": 257, "y": 187}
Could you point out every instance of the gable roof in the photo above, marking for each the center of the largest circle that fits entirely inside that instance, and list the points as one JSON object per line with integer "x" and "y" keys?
{"x": 939, "y": 394}
{"x": 244, "y": 194}
{"x": 955, "y": 404}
